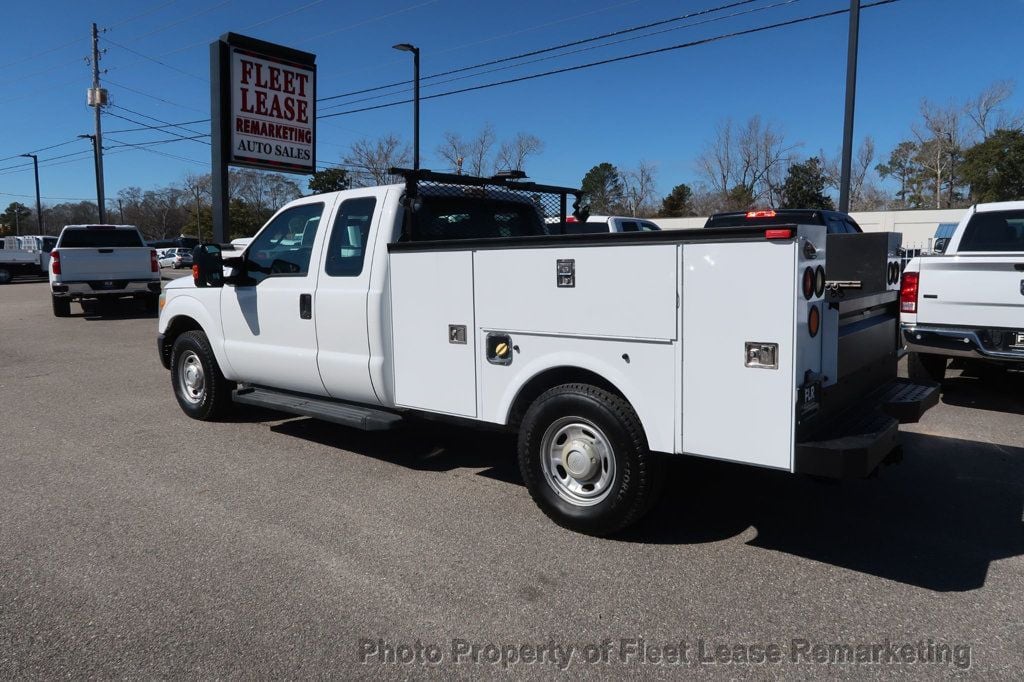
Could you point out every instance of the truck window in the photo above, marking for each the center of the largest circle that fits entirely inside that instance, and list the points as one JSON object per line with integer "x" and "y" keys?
{"x": 464, "y": 217}
{"x": 994, "y": 231}
{"x": 630, "y": 226}
{"x": 347, "y": 247}
{"x": 99, "y": 238}
{"x": 284, "y": 246}
{"x": 579, "y": 227}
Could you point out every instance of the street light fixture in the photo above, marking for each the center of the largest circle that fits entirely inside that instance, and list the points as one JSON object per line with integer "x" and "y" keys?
{"x": 99, "y": 178}
{"x": 406, "y": 47}
{"x": 39, "y": 204}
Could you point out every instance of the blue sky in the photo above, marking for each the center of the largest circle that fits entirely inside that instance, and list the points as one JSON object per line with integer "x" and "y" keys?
{"x": 661, "y": 108}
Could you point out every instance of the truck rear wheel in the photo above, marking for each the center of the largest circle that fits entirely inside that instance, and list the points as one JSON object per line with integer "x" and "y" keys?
{"x": 61, "y": 306}
{"x": 926, "y": 367}
{"x": 201, "y": 390}
{"x": 5, "y": 276}
{"x": 585, "y": 461}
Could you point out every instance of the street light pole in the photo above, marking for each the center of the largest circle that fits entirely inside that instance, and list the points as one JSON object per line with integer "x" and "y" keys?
{"x": 851, "y": 94}
{"x": 39, "y": 204}
{"x": 406, "y": 47}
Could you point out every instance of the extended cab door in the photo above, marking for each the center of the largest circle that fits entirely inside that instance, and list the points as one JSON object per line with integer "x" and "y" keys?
{"x": 345, "y": 290}
{"x": 269, "y": 330}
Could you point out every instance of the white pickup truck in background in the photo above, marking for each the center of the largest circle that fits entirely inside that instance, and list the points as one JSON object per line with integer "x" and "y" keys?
{"x": 969, "y": 301}
{"x": 102, "y": 262}
{"x": 596, "y": 224}
{"x": 468, "y": 299}
{"x": 24, "y": 255}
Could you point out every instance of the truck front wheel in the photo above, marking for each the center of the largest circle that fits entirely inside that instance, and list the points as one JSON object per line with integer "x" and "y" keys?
{"x": 926, "y": 367}
{"x": 585, "y": 461}
{"x": 201, "y": 389}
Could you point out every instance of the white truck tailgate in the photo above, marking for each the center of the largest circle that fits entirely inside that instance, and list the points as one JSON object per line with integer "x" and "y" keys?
{"x": 83, "y": 264}
{"x": 981, "y": 291}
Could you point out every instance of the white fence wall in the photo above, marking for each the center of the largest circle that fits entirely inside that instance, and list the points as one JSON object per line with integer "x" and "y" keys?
{"x": 918, "y": 227}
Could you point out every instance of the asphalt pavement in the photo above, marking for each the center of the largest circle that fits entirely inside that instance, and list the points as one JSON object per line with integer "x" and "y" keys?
{"x": 135, "y": 542}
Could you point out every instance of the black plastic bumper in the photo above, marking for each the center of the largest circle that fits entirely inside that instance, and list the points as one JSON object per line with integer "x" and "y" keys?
{"x": 162, "y": 350}
{"x": 853, "y": 445}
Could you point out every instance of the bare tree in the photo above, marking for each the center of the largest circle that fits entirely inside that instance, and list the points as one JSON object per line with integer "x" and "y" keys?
{"x": 453, "y": 150}
{"x": 478, "y": 151}
{"x": 639, "y": 189}
{"x": 861, "y": 174}
{"x": 988, "y": 102}
{"x": 372, "y": 159}
{"x": 513, "y": 154}
{"x": 747, "y": 165}
{"x": 940, "y": 143}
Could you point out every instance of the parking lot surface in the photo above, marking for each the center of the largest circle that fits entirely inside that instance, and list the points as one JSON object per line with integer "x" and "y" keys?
{"x": 136, "y": 542}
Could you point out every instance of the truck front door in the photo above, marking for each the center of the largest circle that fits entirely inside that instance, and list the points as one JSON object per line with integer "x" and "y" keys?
{"x": 269, "y": 331}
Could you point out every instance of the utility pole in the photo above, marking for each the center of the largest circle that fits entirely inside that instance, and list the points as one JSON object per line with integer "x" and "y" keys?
{"x": 97, "y": 98}
{"x": 39, "y": 204}
{"x": 120, "y": 208}
{"x": 851, "y": 94}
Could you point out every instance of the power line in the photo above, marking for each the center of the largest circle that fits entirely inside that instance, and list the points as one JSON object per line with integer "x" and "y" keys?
{"x": 182, "y": 20}
{"x": 711, "y": 20}
{"x": 612, "y": 60}
{"x": 157, "y": 61}
{"x": 41, "y": 149}
{"x": 159, "y": 99}
{"x": 160, "y": 127}
{"x": 141, "y": 146}
{"x": 195, "y": 133}
{"x": 563, "y": 46}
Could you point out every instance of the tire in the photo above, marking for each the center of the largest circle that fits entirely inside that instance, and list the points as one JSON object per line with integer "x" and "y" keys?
{"x": 199, "y": 386}
{"x": 61, "y": 306}
{"x": 563, "y": 429}
{"x": 926, "y": 367}
{"x": 5, "y": 275}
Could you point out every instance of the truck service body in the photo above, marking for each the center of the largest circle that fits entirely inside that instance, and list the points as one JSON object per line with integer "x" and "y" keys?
{"x": 606, "y": 351}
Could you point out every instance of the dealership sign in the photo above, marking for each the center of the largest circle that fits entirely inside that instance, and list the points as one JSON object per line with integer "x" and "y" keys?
{"x": 269, "y": 108}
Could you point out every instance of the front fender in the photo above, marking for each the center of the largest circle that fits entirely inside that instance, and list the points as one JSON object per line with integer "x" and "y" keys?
{"x": 190, "y": 306}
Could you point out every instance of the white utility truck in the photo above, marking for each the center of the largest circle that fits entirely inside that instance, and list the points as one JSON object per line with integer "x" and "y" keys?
{"x": 102, "y": 262}
{"x": 455, "y": 297}
{"x": 24, "y": 255}
{"x": 969, "y": 301}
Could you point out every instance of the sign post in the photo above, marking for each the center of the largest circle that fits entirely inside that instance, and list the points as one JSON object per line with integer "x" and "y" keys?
{"x": 262, "y": 113}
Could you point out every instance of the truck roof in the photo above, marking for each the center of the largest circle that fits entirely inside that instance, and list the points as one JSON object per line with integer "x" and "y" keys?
{"x": 1000, "y": 206}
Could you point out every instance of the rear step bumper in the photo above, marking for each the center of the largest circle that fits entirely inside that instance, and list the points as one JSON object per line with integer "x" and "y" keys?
{"x": 354, "y": 416}
{"x": 855, "y": 444}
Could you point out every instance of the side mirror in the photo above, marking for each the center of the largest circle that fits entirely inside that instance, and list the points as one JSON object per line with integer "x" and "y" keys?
{"x": 207, "y": 266}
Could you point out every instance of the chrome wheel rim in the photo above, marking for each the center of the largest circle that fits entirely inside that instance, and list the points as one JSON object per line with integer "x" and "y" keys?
{"x": 578, "y": 461}
{"x": 191, "y": 378}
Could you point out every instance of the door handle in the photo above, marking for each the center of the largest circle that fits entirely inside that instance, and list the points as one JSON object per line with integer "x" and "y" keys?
{"x": 306, "y": 306}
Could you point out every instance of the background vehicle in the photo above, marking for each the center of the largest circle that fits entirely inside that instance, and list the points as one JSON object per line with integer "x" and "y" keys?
{"x": 596, "y": 224}
{"x": 460, "y": 298}
{"x": 968, "y": 302}
{"x": 835, "y": 222}
{"x": 176, "y": 258}
{"x": 102, "y": 262}
{"x": 24, "y": 255}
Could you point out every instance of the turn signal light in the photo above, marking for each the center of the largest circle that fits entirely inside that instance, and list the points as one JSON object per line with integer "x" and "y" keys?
{"x": 783, "y": 233}
{"x": 813, "y": 321}
{"x": 55, "y": 261}
{"x": 819, "y": 281}
{"x": 154, "y": 264}
{"x": 808, "y": 283}
{"x": 908, "y": 292}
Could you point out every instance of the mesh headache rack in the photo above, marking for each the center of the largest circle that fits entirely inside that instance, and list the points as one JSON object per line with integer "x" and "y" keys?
{"x": 443, "y": 206}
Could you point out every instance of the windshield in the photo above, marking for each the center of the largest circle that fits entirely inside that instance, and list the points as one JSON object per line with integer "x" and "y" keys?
{"x": 994, "y": 231}
{"x": 99, "y": 238}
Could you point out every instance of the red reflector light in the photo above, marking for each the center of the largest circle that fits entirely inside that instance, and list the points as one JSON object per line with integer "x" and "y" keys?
{"x": 808, "y": 283}
{"x": 761, "y": 214}
{"x": 783, "y": 233}
{"x": 571, "y": 219}
{"x": 154, "y": 265}
{"x": 55, "y": 261}
{"x": 908, "y": 292}
{"x": 813, "y": 321}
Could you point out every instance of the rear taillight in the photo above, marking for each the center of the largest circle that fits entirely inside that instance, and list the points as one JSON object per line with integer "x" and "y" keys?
{"x": 908, "y": 292}
{"x": 779, "y": 233}
{"x": 154, "y": 264}
{"x": 55, "y": 261}
{"x": 195, "y": 274}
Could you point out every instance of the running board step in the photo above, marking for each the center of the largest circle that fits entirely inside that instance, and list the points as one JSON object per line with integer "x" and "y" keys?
{"x": 354, "y": 416}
